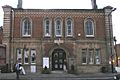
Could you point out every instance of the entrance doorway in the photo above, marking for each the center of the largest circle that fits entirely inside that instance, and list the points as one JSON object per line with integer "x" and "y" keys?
{"x": 58, "y": 59}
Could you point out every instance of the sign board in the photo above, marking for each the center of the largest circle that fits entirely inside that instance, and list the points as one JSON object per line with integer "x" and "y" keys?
{"x": 33, "y": 68}
{"x": 46, "y": 62}
{"x": 58, "y": 41}
{"x": 117, "y": 69}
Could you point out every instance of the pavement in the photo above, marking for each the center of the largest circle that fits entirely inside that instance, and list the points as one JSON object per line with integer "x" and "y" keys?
{"x": 58, "y": 76}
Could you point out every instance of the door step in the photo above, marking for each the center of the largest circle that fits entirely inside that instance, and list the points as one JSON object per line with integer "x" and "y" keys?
{"x": 60, "y": 72}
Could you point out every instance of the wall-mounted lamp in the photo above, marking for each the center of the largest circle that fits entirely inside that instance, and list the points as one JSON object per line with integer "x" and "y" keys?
{"x": 79, "y": 34}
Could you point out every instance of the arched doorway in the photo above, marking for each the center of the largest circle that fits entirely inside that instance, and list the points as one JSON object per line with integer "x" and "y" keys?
{"x": 58, "y": 59}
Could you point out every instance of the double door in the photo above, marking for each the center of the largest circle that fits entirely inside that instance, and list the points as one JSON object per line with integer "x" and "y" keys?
{"x": 58, "y": 59}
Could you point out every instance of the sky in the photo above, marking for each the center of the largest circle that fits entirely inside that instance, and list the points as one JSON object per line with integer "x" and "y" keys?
{"x": 68, "y": 4}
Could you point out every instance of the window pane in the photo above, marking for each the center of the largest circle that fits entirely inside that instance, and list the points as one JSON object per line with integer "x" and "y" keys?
{"x": 91, "y": 59}
{"x": 58, "y": 25}
{"x": 57, "y": 32}
{"x": 69, "y": 32}
{"x": 69, "y": 23}
{"x": 47, "y": 27}
{"x": 33, "y": 56}
{"x": 47, "y": 31}
{"x": 58, "y": 28}
{"x": 19, "y": 55}
{"x": 69, "y": 27}
{"x": 89, "y": 27}
{"x": 58, "y": 22}
{"x": 84, "y": 56}
{"x": 29, "y": 28}
{"x": 26, "y": 56}
{"x": 97, "y": 56}
{"x": 26, "y": 27}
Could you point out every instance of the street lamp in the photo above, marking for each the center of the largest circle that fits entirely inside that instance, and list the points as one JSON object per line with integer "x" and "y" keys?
{"x": 110, "y": 36}
{"x": 116, "y": 50}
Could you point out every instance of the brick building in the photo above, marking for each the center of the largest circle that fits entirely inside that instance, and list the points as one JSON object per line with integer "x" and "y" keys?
{"x": 58, "y": 38}
{"x": 117, "y": 49}
{"x": 1, "y": 34}
{"x": 2, "y": 49}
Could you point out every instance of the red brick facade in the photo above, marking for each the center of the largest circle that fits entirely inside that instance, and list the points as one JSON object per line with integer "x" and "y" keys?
{"x": 118, "y": 49}
{"x": 1, "y": 35}
{"x": 2, "y": 49}
{"x": 37, "y": 22}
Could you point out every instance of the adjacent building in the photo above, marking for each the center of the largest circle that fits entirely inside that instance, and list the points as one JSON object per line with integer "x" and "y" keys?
{"x": 1, "y": 34}
{"x": 58, "y": 38}
{"x": 2, "y": 49}
{"x": 117, "y": 55}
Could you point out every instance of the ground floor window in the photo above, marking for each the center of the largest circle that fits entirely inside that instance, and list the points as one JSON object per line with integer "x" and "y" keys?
{"x": 84, "y": 56}
{"x": 33, "y": 56}
{"x": 90, "y": 56}
{"x": 97, "y": 56}
{"x": 26, "y": 56}
{"x": 19, "y": 54}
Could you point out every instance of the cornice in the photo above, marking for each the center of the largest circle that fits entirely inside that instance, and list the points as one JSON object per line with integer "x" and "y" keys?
{"x": 57, "y": 11}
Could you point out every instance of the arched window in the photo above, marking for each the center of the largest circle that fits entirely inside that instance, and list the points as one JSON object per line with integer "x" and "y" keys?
{"x": 58, "y": 28}
{"x": 89, "y": 28}
{"x": 26, "y": 27}
{"x": 47, "y": 27}
{"x": 69, "y": 27}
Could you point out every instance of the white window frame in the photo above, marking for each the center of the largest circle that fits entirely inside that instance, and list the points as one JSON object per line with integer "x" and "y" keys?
{"x": 45, "y": 33}
{"x": 71, "y": 27}
{"x": 93, "y": 28}
{"x": 60, "y": 35}
{"x": 29, "y": 27}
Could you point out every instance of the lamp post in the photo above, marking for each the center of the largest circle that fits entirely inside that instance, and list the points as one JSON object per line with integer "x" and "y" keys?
{"x": 110, "y": 36}
{"x": 116, "y": 50}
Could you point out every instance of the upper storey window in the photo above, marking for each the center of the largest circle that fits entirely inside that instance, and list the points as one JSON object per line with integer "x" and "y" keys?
{"x": 69, "y": 27}
{"x": 58, "y": 28}
{"x": 47, "y": 28}
{"x": 26, "y": 28}
{"x": 89, "y": 28}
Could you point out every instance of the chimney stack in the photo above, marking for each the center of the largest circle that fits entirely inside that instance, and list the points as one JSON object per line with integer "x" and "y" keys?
{"x": 19, "y": 4}
{"x": 94, "y": 5}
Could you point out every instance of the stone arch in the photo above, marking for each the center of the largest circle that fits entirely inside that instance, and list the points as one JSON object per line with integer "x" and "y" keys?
{"x": 53, "y": 48}
{"x": 51, "y": 52}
